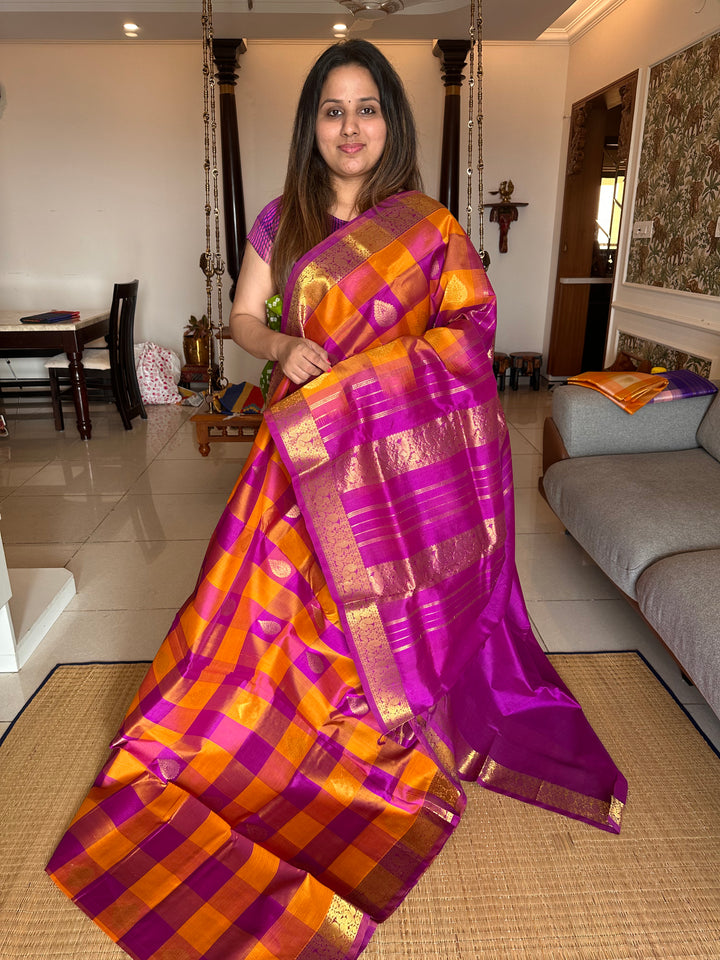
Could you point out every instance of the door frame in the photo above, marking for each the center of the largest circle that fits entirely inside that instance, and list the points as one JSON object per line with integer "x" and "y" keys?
{"x": 583, "y": 174}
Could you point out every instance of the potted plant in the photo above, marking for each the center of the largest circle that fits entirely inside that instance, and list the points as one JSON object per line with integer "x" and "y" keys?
{"x": 197, "y": 341}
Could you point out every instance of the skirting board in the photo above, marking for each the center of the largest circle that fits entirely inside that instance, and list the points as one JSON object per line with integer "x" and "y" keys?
{"x": 39, "y": 596}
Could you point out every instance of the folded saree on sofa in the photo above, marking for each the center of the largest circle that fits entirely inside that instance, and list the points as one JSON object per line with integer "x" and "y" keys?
{"x": 356, "y": 645}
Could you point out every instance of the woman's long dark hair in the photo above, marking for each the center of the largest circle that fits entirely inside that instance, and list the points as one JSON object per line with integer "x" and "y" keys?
{"x": 308, "y": 194}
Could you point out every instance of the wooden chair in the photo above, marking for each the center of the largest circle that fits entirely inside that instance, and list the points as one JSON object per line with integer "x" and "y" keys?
{"x": 110, "y": 368}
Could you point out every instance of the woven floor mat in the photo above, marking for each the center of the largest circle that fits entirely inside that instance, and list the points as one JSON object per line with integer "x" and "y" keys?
{"x": 513, "y": 883}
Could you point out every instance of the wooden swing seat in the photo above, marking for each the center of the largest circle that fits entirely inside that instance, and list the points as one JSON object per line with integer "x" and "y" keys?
{"x": 225, "y": 428}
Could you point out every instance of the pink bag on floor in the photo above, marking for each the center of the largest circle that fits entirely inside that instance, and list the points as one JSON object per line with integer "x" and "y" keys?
{"x": 158, "y": 373}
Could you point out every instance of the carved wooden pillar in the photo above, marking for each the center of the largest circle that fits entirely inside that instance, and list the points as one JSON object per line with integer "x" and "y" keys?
{"x": 225, "y": 54}
{"x": 452, "y": 55}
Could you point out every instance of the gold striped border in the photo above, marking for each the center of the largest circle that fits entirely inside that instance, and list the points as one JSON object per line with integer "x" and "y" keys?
{"x": 498, "y": 777}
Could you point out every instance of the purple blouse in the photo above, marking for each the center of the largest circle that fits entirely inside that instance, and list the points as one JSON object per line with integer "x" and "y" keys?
{"x": 263, "y": 232}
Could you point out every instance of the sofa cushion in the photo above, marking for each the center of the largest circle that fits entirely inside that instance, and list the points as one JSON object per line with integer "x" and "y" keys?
{"x": 630, "y": 510}
{"x": 679, "y": 596}
{"x": 708, "y": 435}
{"x": 591, "y": 424}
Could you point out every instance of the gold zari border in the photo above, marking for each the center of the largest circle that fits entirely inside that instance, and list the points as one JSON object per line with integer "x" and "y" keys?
{"x": 498, "y": 777}
{"x": 337, "y": 934}
{"x": 306, "y": 449}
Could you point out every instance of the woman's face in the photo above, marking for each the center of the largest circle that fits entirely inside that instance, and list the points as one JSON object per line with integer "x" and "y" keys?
{"x": 350, "y": 129}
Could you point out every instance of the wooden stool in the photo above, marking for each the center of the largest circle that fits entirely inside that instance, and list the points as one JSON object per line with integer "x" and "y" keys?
{"x": 501, "y": 362}
{"x": 525, "y": 365}
{"x": 225, "y": 428}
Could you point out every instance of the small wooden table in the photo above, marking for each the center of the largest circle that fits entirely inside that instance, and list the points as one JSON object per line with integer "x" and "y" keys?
{"x": 28, "y": 339}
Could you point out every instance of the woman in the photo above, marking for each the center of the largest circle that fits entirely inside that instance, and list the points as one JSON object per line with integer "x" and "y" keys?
{"x": 357, "y": 643}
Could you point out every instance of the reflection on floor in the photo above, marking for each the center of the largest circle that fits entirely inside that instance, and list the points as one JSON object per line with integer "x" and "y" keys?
{"x": 130, "y": 513}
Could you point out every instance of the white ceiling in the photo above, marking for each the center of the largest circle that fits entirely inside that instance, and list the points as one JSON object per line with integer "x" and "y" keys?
{"x": 175, "y": 20}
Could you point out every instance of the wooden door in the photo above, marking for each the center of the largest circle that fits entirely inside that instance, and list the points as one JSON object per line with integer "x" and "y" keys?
{"x": 594, "y": 122}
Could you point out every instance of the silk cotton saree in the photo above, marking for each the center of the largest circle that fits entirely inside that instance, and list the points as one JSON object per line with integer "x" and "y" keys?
{"x": 356, "y": 645}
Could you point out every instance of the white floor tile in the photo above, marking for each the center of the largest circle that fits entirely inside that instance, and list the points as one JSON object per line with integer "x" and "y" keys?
{"x": 522, "y": 410}
{"x": 527, "y": 469}
{"x": 31, "y": 450}
{"x": 49, "y": 519}
{"x": 72, "y": 477}
{"x": 200, "y": 475}
{"x": 142, "y": 575}
{"x": 518, "y": 443}
{"x": 592, "y": 625}
{"x": 106, "y": 635}
{"x": 14, "y": 475}
{"x": 533, "y": 436}
{"x": 175, "y": 516}
{"x": 26, "y": 419}
{"x": 553, "y": 567}
{"x": 589, "y": 625}
{"x": 532, "y": 514}
{"x": 16, "y": 689}
{"x": 142, "y": 443}
{"x": 86, "y": 637}
{"x": 40, "y": 554}
{"x": 138, "y": 444}
{"x": 184, "y": 446}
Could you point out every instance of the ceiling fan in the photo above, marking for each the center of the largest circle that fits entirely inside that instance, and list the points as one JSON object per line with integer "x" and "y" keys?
{"x": 367, "y": 12}
{"x": 372, "y": 9}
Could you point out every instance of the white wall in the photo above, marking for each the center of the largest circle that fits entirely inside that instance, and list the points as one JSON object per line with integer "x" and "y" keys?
{"x": 523, "y": 138}
{"x": 101, "y": 152}
{"x": 638, "y": 34}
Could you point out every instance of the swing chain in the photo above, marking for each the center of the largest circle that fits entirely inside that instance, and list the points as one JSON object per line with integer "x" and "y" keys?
{"x": 475, "y": 122}
{"x": 211, "y": 261}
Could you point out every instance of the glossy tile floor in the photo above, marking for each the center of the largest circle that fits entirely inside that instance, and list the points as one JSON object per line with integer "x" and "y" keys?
{"x": 130, "y": 513}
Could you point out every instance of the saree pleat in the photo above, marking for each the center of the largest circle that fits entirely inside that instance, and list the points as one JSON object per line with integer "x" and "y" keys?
{"x": 356, "y": 644}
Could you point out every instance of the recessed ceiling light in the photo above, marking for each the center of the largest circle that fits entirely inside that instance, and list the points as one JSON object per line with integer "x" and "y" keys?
{"x": 130, "y": 33}
{"x": 339, "y": 27}
{"x": 130, "y": 26}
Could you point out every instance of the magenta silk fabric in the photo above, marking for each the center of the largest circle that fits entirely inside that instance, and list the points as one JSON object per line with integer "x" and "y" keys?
{"x": 400, "y": 460}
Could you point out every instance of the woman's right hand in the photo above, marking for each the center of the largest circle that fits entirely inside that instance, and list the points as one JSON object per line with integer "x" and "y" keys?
{"x": 301, "y": 360}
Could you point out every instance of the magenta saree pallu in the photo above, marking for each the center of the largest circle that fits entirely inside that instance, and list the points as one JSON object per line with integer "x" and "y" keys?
{"x": 356, "y": 645}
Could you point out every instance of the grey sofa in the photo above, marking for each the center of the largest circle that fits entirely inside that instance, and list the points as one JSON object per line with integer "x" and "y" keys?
{"x": 641, "y": 495}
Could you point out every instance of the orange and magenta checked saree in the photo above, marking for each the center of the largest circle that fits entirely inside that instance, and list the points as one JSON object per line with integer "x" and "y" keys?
{"x": 356, "y": 645}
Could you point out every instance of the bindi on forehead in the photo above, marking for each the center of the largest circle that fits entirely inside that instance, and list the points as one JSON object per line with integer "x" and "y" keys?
{"x": 349, "y": 100}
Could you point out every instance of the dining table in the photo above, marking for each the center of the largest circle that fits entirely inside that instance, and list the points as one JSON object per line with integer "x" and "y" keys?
{"x": 38, "y": 339}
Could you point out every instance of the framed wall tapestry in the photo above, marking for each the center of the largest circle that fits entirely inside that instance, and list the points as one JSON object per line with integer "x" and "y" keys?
{"x": 678, "y": 186}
